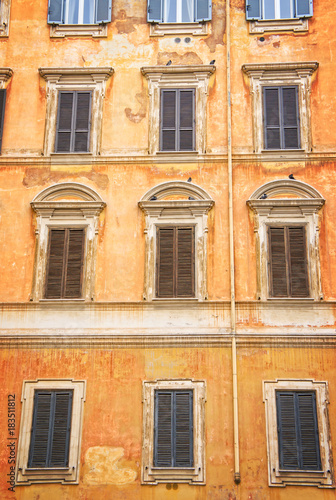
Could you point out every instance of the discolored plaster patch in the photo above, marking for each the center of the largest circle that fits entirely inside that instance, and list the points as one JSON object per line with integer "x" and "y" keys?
{"x": 102, "y": 466}
{"x": 218, "y": 27}
{"x": 125, "y": 24}
{"x": 140, "y": 115}
{"x": 44, "y": 175}
{"x": 178, "y": 59}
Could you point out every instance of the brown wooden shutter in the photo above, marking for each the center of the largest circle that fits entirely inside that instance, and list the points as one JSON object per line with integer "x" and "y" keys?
{"x": 290, "y": 118}
{"x": 288, "y": 262}
{"x": 175, "y": 276}
{"x": 168, "y": 120}
{"x": 272, "y": 118}
{"x": 2, "y": 113}
{"x": 64, "y": 125}
{"x": 186, "y": 119}
{"x": 82, "y": 125}
{"x": 65, "y": 264}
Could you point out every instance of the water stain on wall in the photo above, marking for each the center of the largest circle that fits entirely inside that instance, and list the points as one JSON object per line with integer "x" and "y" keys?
{"x": 175, "y": 58}
{"x": 102, "y": 466}
{"x": 140, "y": 115}
{"x": 40, "y": 176}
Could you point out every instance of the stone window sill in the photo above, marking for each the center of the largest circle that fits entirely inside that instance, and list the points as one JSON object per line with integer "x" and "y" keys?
{"x": 161, "y": 29}
{"x": 62, "y": 30}
{"x": 276, "y": 25}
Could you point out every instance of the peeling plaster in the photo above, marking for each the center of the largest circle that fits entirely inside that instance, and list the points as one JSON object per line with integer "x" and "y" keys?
{"x": 102, "y": 467}
{"x": 140, "y": 115}
{"x": 41, "y": 176}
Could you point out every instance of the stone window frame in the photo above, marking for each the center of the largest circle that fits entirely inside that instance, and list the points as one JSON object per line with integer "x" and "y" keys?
{"x": 64, "y": 475}
{"x": 282, "y": 478}
{"x": 194, "y": 29}
{"x": 5, "y": 6}
{"x": 288, "y": 203}
{"x": 277, "y": 75}
{"x": 82, "y": 211}
{"x": 174, "y": 212}
{"x": 69, "y": 79}
{"x": 93, "y": 30}
{"x": 192, "y": 475}
{"x": 261, "y": 26}
{"x": 178, "y": 77}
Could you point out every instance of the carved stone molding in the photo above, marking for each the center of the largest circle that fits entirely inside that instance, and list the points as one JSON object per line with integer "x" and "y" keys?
{"x": 94, "y": 30}
{"x": 5, "y": 75}
{"x": 161, "y": 29}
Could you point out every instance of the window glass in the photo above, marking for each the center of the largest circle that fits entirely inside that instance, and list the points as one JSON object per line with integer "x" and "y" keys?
{"x": 179, "y": 11}
{"x": 79, "y": 12}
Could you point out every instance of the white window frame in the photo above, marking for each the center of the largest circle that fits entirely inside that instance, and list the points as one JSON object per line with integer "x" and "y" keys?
{"x": 65, "y": 29}
{"x": 80, "y": 209}
{"x": 192, "y": 475}
{"x": 176, "y": 212}
{"x": 277, "y": 75}
{"x": 279, "y": 24}
{"x": 69, "y": 79}
{"x": 178, "y": 77}
{"x": 65, "y": 475}
{"x": 278, "y": 477}
{"x": 288, "y": 203}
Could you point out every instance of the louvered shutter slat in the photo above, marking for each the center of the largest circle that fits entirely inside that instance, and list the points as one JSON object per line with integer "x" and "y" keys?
{"x": 55, "y": 11}
{"x": 168, "y": 120}
{"x": 183, "y": 429}
{"x": 186, "y": 120}
{"x": 61, "y": 429}
{"x": 308, "y": 431}
{"x": 290, "y": 118}
{"x": 64, "y": 125}
{"x": 83, "y": 104}
{"x": 103, "y": 11}
{"x": 203, "y": 10}
{"x": 185, "y": 262}
{"x": 54, "y": 280}
{"x": 272, "y": 118}
{"x": 2, "y": 113}
{"x": 74, "y": 265}
{"x": 165, "y": 270}
{"x": 298, "y": 263}
{"x": 279, "y": 280}
{"x": 288, "y": 450}
{"x": 39, "y": 442}
{"x": 163, "y": 429}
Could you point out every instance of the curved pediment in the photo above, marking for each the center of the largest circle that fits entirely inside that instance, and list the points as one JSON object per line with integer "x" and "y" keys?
{"x": 67, "y": 191}
{"x": 286, "y": 188}
{"x": 176, "y": 190}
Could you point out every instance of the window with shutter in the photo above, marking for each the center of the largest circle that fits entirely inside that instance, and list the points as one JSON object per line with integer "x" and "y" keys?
{"x": 50, "y": 434}
{"x": 65, "y": 264}
{"x": 177, "y": 130}
{"x": 299, "y": 447}
{"x": 288, "y": 262}
{"x": 73, "y": 122}
{"x": 173, "y": 427}
{"x": 79, "y": 11}
{"x": 278, "y": 9}
{"x": 281, "y": 118}
{"x": 175, "y": 262}
{"x": 2, "y": 113}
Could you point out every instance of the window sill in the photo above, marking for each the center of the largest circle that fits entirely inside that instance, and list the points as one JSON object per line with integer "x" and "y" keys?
{"x": 276, "y": 25}
{"x": 161, "y": 29}
{"x": 179, "y": 153}
{"x": 94, "y": 30}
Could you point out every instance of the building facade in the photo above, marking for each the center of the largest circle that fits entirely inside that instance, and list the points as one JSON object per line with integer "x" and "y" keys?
{"x": 168, "y": 301}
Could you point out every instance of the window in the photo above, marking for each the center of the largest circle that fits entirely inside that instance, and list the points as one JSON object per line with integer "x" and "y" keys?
{"x": 80, "y": 17}
{"x": 66, "y": 243}
{"x": 4, "y": 17}
{"x": 298, "y": 435}
{"x": 178, "y": 16}
{"x": 281, "y": 118}
{"x": 288, "y": 261}
{"x": 176, "y": 255}
{"x": 74, "y": 109}
{"x": 175, "y": 262}
{"x": 281, "y": 106}
{"x": 177, "y": 108}
{"x": 50, "y": 431}
{"x": 65, "y": 264}
{"x": 73, "y": 122}
{"x": 278, "y": 15}
{"x": 173, "y": 439}
{"x": 287, "y": 240}
{"x": 177, "y": 120}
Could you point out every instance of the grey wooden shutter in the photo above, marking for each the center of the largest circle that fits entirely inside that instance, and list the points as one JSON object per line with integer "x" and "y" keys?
{"x": 177, "y": 125}
{"x": 253, "y": 10}
{"x": 165, "y": 262}
{"x": 154, "y": 11}
{"x": 299, "y": 286}
{"x": 82, "y": 122}
{"x": 298, "y": 437}
{"x": 168, "y": 130}
{"x": 272, "y": 118}
{"x": 50, "y": 434}
{"x": 2, "y": 113}
{"x": 103, "y": 11}
{"x": 64, "y": 122}
{"x": 186, "y": 120}
{"x": 281, "y": 118}
{"x": 290, "y": 118}
{"x": 304, "y": 8}
{"x": 55, "y": 11}
{"x": 203, "y": 10}
{"x": 65, "y": 264}
{"x": 278, "y": 262}
{"x": 173, "y": 429}
{"x": 73, "y": 122}
{"x": 185, "y": 268}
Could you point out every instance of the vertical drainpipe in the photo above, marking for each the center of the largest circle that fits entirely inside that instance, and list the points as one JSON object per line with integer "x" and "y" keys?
{"x": 232, "y": 267}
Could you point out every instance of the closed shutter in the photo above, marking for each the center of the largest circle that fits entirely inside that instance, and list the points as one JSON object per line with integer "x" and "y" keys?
{"x": 65, "y": 264}
{"x": 154, "y": 11}
{"x": 173, "y": 429}
{"x": 298, "y": 431}
{"x": 55, "y": 12}
{"x": 73, "y": 123}
{"x": 177, "y": 125}
{"x": 2, "y": 113}
{"x": 103, "y": 11}
{"x": 203, "y": 10}
{"x": 281, "y": 118}
{"x": 253, "y": 10}
{"x": 304, "y": 8}
{"x": 288, "y": 262}
{"x": 175, "y": 272}
{"x": 50, "y": 434}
